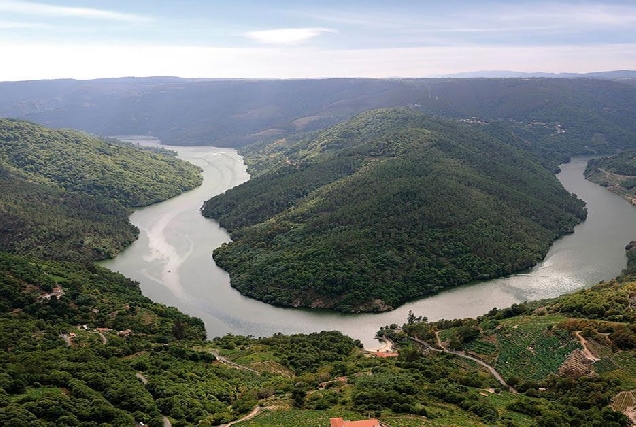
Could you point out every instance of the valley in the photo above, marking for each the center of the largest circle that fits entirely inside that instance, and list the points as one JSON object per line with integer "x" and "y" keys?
{"x": 594, "y": 252}
{"x": 412, "y": 205}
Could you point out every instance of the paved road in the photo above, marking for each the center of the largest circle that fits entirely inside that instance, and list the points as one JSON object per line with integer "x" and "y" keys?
{"x": 232, "y": 364}
{"x": 492, "y": 370}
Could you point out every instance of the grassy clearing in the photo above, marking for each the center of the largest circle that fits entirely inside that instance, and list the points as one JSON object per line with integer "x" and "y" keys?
{"x": 627, "y": 362}
{"x": 441, "y": 416}
{"x": 625, "y": 371}
{"x": 406, "y": 421}
{"x": 501, "y": 400}
{"x": 36, "y": 394}
{"x": 604, "y": 366}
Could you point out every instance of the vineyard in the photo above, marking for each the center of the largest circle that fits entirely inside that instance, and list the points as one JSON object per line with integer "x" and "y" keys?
{"x": 624, "y": 401}
{"x": 305, "y": 418}
{"x": 626, "y": 363}
{"x": 528, "y": 347}
{"x": 532, "y": 350}
{"x": 486, "y": 350}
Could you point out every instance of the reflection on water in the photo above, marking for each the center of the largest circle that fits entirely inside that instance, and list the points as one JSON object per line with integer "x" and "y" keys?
{"x": 172, "y": 260}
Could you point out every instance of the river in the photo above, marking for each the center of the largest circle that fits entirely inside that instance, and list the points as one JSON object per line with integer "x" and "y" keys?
{"x": 172, "y": 261}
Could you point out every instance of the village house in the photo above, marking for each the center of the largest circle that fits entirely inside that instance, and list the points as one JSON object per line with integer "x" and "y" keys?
{"x": 339, "y": 422}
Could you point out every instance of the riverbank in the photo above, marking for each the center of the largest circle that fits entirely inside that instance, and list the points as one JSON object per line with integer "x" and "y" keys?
{"x": 172, "y": 261}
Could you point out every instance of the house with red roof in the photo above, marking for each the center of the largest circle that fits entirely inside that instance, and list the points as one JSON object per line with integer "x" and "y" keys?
{"x": 339, "y": 422}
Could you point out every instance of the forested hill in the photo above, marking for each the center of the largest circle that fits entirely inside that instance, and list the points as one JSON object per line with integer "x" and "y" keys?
{"x": 79, "y": 162}
{"x": 67, "y": 195}
{"x": 556, "y": 118}
{"x": 616, "y": 173}
{"x": 386, "y": 208}
{"x": 80, "y": 345}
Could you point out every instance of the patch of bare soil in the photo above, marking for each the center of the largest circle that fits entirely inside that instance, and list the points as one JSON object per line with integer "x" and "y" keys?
{"x": 625, "y": 402}
{"x": 576, "y": 365}
{"x": 586, "y": 349}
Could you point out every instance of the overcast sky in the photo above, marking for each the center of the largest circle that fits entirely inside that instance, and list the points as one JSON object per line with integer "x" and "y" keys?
{"x": 293, "y": 39}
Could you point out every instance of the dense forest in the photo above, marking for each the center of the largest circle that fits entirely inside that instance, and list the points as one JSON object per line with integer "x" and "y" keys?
{"x": 388, "y": 207}
{"x": 67, "y": 195}
{"x": 79, "y": 162}
{"x": 81, "y": 346}
{"x": 555, "y": 118}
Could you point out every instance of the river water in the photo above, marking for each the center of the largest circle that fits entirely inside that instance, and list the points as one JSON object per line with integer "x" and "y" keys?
{"x": 172, "y": 261}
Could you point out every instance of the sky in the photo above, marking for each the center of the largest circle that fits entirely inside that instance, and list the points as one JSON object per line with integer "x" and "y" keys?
{"x": 86, "y": 39}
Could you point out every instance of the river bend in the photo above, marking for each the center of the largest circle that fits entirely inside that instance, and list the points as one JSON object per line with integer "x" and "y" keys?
{"x": 172, "y": 261}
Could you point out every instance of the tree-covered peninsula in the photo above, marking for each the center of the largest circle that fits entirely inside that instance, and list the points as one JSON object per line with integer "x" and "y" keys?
{"x": 386, "y": 208}
{"x": 67, "y": 195}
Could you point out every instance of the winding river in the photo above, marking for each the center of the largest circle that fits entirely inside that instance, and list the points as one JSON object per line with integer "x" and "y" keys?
{"x": 172, "y": 261}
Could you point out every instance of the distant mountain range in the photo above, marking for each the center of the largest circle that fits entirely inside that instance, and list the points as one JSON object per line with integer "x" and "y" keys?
{"x": 572, "y": 115}
{"x": 616, "y": 74}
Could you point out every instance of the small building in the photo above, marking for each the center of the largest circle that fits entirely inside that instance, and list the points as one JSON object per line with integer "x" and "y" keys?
{"x": 339, "y": 422}
{"x": 56, "y": 293}
{"x": 385, "y": 354}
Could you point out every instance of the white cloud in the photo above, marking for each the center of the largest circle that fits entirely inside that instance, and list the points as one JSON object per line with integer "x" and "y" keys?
{"x": 287, "y": 36}
{"x": 42, "y": 9}
{"x": 526, "y": 19}
{"x": 21, "y": 25}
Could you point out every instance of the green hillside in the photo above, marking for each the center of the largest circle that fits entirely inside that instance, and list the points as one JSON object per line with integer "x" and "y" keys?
{"x": 577, "y": 349}
{"x": 67, "y": 195}
{"x": 81, "y": 346}
{"x": 616, "y": 173}
{"x": 48, "y": 222}
{"x": 79, "y": 162}
{"x": 383, "y": 209}
{"x": 74, "y": 338}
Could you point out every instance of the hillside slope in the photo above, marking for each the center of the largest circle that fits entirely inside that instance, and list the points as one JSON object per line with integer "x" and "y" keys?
{"x": 616, "y": 173}
{"x": 79, "y": 162}
{"x": 554, "y": 118}
{"x": 388, "y": 207}
{"x": 80, "y": 345}
{"x": 577, "y": 349}
{"x": 48, "y": 222}
{"x": 67, "y": 195}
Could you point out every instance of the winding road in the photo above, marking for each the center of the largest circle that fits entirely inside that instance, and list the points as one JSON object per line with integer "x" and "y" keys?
{"x": 257, "y": 410}
{"x": 443, "y": 349}
{"x": 225, "y": 361}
